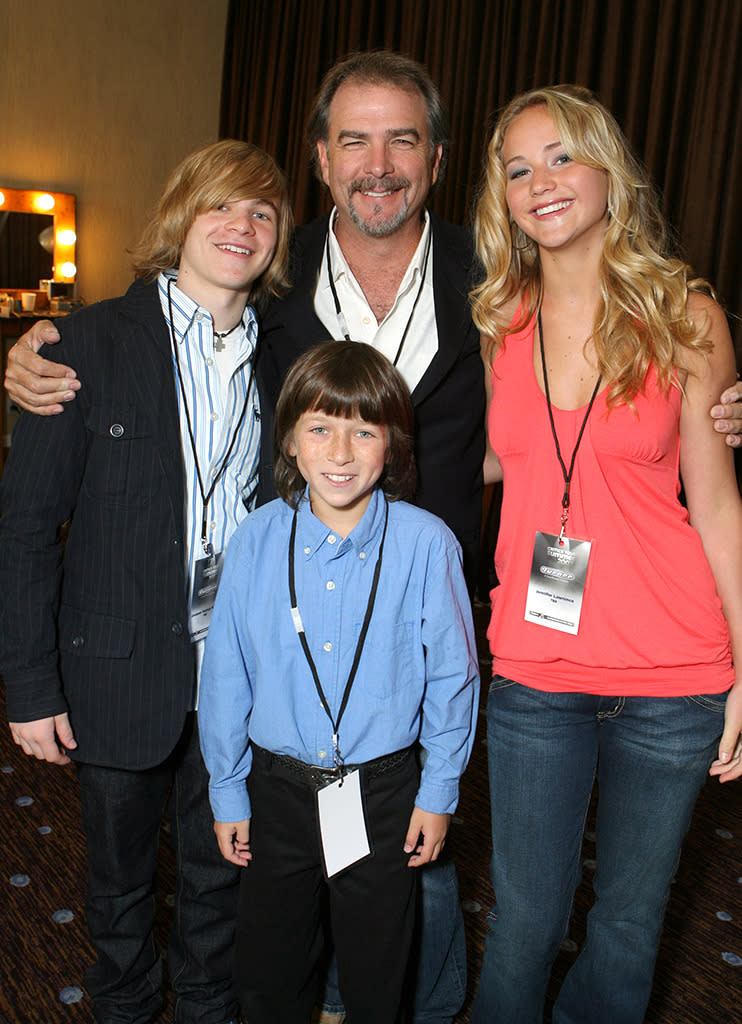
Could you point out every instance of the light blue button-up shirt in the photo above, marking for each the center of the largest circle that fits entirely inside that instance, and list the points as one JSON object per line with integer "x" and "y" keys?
{"x": 417, "y": 678}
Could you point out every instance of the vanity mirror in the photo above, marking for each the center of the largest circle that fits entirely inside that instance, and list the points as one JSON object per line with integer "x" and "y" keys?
{"x": 37, "y": 237}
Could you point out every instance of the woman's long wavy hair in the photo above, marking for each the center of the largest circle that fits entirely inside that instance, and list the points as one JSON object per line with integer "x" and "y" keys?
{"x": 642, "y": 318}
{"x": 222, "y": 171}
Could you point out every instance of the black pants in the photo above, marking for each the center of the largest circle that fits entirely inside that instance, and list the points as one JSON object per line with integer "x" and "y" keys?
{"x": 122, "y": 812}
{"x": 284, "y": 897}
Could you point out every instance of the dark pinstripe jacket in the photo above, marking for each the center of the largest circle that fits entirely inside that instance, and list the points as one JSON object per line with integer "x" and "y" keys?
{"x": 101, "y": 631}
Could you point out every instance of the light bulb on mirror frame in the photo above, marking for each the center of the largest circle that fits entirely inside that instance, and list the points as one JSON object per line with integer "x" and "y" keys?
{"x": 44, "y": 202}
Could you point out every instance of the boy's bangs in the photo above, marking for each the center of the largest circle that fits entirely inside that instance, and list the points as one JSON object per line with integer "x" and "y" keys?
{"x": 347, "y": 400}
{"x": 338, "y": 403}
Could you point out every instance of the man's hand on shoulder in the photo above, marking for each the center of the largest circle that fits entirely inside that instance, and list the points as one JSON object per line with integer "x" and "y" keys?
{"x": 37, "y": 384}
{"x": 48, "y": 738}
{"x": 728, "y": 416}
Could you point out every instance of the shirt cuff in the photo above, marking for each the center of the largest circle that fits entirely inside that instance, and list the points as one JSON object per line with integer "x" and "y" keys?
{"x": 437, "y": 799}
{"x": 230, "y": 802}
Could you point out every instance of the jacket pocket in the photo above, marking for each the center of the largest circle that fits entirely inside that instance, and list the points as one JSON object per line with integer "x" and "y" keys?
{"x": 121, "y": 462}
{"x": 93, "y": 635}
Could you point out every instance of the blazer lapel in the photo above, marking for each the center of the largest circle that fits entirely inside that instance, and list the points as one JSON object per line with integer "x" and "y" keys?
{"x": 156, "y": 384}
{"x": 451, "y": 267}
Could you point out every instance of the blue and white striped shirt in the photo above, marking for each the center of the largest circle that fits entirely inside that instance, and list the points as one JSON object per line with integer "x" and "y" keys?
{"x": 214, "y": 408}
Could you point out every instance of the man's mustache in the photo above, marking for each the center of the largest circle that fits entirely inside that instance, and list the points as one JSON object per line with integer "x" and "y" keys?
{"x": 372, "y": 184}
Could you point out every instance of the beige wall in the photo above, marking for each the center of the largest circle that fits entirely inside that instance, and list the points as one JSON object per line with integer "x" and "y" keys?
{"x": 103, "y": 98}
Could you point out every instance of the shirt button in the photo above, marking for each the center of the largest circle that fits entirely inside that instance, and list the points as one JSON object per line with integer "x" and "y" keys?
{"x": 322, "y": 753}
{"x": 199, "y": 317}
{"x": 361, "y": 554}
{"x": 176, "y": 628}
{"x": 366, "y": 320}
{"x": 307, "y": 551}
{"x": 330, "y": 585}
{"x": 331, "y": 539}
{"x": 327, "y": 646}
{"x": 78, "y": 641}
{"x": 212, "y": 525}
{"x": 209, "y": 362}
{"x": 214, "y": 416}
{"x": 116, "y": 430}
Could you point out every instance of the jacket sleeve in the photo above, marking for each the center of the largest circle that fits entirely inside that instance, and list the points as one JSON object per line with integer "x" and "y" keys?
{"x": 38, "y": 492}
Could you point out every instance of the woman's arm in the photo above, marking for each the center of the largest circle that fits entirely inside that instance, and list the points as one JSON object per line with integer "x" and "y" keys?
{"x": 707, "y": 469}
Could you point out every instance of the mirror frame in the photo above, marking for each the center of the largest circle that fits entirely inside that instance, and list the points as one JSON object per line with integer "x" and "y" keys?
{"x": 21, "y": 200}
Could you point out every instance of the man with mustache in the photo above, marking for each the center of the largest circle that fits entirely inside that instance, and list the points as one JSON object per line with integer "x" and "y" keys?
{"x": 383, "y": 270}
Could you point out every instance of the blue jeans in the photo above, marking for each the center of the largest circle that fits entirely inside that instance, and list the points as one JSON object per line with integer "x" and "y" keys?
{"x": 651, "y": 756}
{"x": 122, "y": 813}
{"x": 439, "y": 950}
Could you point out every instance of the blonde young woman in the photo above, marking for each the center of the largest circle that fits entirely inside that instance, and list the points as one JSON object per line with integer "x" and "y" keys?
{"x": 618, "y": 612}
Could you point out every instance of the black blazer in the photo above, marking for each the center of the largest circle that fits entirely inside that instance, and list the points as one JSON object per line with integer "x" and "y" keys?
{"x": 449, "y": 400}
{"x": 103, "y": 631}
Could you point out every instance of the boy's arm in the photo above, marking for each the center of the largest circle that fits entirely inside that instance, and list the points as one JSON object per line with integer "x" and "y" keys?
{"x": 432, "y": 829}
{"x": 38, "y": 492}
{"x": 449, "y": 704}
{"x": 48, "y": 739}
{"x": 225, "y": 696}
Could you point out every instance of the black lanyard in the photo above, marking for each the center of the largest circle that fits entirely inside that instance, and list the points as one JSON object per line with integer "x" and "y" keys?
{"x": 205, "y": 495}
{"x": 565, "y": 473}
{"x": 299, "y": 626}
{"x": 338, "y": 309}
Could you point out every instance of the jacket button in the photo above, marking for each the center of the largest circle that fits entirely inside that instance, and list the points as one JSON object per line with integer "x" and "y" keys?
{"x": 78, "y": 641}
{"x": 116, "y": 430}
{"x": 177, "y": 628}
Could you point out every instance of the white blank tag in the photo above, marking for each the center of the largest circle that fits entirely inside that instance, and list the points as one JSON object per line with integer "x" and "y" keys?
{"x": 342, "y": 824}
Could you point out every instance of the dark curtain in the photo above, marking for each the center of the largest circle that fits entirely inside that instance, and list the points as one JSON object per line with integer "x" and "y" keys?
{"x": 670, "y": 70}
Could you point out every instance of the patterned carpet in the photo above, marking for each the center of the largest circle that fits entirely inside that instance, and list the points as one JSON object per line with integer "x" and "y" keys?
{"x": 43, "y": 947}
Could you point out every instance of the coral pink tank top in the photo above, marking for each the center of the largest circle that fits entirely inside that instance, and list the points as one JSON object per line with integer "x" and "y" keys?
{"x": 651, "y": 622}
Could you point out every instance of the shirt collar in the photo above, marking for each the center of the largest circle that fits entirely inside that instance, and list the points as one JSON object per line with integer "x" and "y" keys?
{"x": 340, "y": 265}
{"x": 186, "y": 310}
{"x": 315, "y": 538}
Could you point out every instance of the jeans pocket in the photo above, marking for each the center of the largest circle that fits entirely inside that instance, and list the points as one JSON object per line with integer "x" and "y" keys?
{"x": 714, "y": 702}
{"x": 500, "y": 683}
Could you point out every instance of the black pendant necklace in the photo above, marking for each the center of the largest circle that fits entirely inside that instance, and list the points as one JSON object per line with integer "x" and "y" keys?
{"x": 221, "y": 335}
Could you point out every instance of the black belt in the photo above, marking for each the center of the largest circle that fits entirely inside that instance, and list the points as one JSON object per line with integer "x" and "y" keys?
{"x": 315, "y": 775}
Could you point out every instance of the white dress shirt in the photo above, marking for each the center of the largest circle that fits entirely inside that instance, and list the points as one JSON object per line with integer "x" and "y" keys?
{"x": 421, "y": 343}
